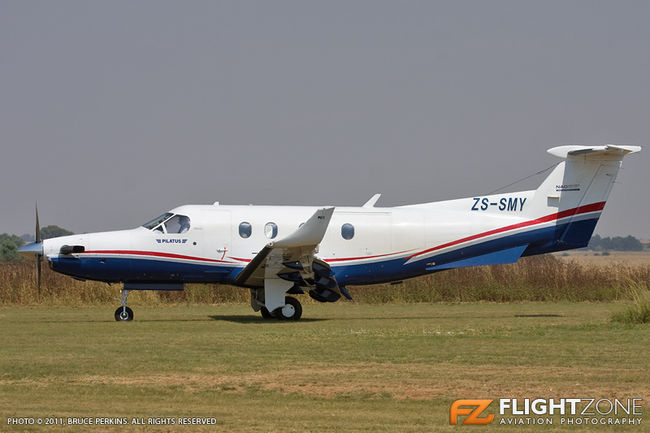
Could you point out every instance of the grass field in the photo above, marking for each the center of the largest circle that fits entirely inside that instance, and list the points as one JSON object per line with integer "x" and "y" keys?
{"x": 344, "y": 367}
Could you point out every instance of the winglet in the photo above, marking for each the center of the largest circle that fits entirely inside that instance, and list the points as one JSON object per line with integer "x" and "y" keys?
{"x": 372, "y": 201}
{"x": 310, "y": 233}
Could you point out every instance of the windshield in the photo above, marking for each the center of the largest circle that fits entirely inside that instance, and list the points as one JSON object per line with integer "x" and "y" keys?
{"x": 169, "y": 223}
{"x": 177, "y": 224}
{"x": 156, "y": 221}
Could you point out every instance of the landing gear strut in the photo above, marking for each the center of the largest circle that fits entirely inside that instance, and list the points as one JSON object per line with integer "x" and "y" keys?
{"x": 123, "y": 313}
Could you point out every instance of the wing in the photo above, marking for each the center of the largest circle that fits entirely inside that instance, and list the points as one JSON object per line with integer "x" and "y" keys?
{"x": 293, "y": 259}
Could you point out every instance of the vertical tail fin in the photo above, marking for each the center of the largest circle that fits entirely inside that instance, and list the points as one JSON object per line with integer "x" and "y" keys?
{"x": 577, "y": 189}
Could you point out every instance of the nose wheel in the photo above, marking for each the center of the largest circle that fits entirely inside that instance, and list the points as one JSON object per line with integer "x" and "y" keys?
{"x": 123, "y": 313}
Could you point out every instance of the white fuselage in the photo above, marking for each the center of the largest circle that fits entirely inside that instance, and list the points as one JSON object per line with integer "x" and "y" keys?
{"x": 386, "y": 244}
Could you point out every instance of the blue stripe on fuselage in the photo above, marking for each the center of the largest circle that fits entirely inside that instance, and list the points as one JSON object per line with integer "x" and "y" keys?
{"x": 119, "y": 269}
{"x": 544, "y": 240}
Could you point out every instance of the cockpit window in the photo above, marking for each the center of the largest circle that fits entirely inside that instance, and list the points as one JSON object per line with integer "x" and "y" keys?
{"x": 156, "y": 221}
{"x": 178, "y": 224}
{"x": 169, "y": 223}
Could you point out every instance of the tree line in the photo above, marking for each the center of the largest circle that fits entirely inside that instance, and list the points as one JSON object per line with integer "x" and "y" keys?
{"x": 616, "y": 243}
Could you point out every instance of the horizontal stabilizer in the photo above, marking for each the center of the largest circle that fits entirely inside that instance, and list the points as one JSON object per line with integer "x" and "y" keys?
{"x": 607, "y": 150}
{"x": 509, "y": 255}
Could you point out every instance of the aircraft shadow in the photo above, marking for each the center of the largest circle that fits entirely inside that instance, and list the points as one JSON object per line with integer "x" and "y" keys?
{"x": 257, "y": 319}
{"x": 113, "y": 321}
{"x": 232, "y": 318}
{"x": 539, "y": 315}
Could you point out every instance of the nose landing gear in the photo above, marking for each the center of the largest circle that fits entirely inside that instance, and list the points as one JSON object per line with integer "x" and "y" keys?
{"x": 123, "y": 313}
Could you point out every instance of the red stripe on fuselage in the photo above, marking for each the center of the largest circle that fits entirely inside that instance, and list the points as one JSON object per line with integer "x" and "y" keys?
{"x": 155, "y": 254}
{"x": 241, "y": 260}
{"x": 556, "y": 216}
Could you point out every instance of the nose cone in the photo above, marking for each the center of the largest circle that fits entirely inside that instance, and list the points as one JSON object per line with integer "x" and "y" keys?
{"x": 35, "y": 248}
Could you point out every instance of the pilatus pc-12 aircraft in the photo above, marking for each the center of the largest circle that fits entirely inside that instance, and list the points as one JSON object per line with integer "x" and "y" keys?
{"x": 280, "y": 250}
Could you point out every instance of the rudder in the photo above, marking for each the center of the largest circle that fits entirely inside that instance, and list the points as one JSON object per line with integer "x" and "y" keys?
{"x": 576, "y": 191}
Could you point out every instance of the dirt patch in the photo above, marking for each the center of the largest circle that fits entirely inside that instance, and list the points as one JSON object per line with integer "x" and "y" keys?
{"x": 397, "y": 381}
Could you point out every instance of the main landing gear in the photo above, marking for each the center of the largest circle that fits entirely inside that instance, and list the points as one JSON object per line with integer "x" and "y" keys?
{"x": 292, "y": 310}
{"x": 123, "y": 313}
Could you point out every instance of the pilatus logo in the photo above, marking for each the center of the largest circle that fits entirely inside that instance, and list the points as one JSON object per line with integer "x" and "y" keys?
{"x": 171, "y": 241}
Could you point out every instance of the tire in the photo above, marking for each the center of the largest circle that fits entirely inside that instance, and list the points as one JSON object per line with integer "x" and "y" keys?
{"x": 292, "y": 307}
{"x": 123, "y": 316}
{"x": 266, "y": 314}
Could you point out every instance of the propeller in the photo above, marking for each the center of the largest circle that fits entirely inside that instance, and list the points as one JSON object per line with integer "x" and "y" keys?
{"x": 39, "y": 257}
{"x": 35, "y": 248}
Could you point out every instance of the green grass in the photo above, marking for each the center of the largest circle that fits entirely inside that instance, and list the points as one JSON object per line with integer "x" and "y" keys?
{"x": 344, "y": 367}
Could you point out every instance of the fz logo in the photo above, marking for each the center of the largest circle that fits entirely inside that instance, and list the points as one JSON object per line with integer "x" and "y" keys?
{"x": 471, "y": 408}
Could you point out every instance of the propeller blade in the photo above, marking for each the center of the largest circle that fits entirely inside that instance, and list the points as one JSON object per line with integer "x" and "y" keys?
{"x": 39, "y": 257}
{"x": 39, "y": 260}
{"x": 38, "y": 227}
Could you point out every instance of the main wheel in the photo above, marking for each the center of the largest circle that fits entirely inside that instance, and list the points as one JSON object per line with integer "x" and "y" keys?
{"x": 292, "y": 309}
{"x": 266, "y": 314}
{"x": 123, "y": 314}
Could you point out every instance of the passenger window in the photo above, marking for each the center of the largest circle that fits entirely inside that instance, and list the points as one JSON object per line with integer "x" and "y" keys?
{"x": 245, "y": 229}
{"x": 347, "y": 231}
{"x": 178, "y": 224}
{"x": 270, "y": 230}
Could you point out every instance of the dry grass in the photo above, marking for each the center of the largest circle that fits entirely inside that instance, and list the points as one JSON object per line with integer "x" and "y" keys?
{"x": 18, "y": 286}
{"x": 397, "y": 381}
{"x": 540, "y": 278}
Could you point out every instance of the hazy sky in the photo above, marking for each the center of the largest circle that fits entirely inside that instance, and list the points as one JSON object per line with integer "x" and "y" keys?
{"x": 113, "y": 112}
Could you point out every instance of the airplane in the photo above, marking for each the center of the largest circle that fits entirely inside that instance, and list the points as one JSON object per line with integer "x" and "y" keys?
{"x": 276, "y": 251}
